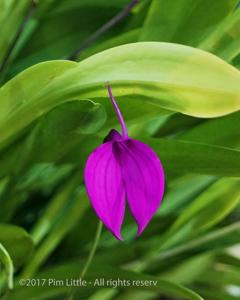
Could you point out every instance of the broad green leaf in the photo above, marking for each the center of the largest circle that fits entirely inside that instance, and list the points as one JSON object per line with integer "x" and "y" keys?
{"x": 166, "y": 85}
{"x": 17, "y": 242}
{"x": 222, "y": 131}
{"x": 6, "y": 260}
{"x": 189, "y": 157}
{"x": 184, "y": 21}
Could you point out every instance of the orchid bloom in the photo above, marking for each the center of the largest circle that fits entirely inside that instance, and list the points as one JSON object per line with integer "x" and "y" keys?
{"x": 124, "y": 170}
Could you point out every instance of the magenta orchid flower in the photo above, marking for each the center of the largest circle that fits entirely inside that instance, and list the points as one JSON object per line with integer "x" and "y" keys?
{"x": 124, "y": 170}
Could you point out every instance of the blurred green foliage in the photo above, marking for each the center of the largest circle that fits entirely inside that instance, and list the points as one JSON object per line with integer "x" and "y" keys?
{"x": 175, "y": 75}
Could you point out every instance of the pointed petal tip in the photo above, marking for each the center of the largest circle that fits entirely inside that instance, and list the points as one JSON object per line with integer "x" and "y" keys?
{"x": 119, "y": 237}
{"x": 104, "y": 187}
{"x": 115, "y": 233}
{"x": 140, "y": 164}
{"x": 141, "y": 228}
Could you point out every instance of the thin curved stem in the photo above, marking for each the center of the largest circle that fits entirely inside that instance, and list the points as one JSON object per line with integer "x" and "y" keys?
{"x": 119, "y": 115}
{"x": 7, "y": 261}
{"x": 93, "y": 249}
{"x": 107, "y": 26}
{"x": 90, "y": 257}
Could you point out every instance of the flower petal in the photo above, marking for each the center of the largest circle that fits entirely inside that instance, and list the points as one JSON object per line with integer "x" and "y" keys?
{"x": 105, "y": 188}
{"x": 143, "y": 179}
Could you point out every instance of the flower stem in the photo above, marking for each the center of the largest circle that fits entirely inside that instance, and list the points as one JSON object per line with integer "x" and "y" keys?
{"x": 90, "y": 257}
{"x": 119, "y": 115}
{"x": 93, "y": 249}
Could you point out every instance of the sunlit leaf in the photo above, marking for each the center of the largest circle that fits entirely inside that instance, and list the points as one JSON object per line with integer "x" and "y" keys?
{"x": 167, "y": 84}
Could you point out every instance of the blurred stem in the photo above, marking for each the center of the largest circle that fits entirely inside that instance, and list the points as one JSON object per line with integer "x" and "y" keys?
{"x": 90, "y": 257}
{"x": 112, "y": 22}
{"x": 93, "y": 249}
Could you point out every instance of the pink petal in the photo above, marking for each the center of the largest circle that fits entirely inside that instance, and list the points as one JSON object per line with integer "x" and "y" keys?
{"x": 105, "y": 187}
{"x": 143, "y": 178}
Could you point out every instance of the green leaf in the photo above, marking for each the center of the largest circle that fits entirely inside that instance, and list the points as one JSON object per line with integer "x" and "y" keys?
{"x": 224, "y": 41}
{"x": 184, "y": 21}
{"x": 5, "y": 8}
{"x": 17, "y": 242}
{"x": 222, "y": 131}
{"x": 166, "y": 85}
{"x": 61, "y": 30}
{"x": 228, "y": 259}
{"x": 176, "y": 124}
{"x": 179, "y": 157}
{"x": 221, "y": 277}
{"x": 66, "y": 211}
{"x": 209, "y": 208}
{"x": 10, "y": 20}
{"x": 216, "y": 294}
{"x": 72, "y": 4}
{"x": 8, "y": 264}
{"x": 189, "y": 270}
{"x": 56, "y": 133}
{"x": 62, "y": 128}
{"x": 189, "y": 157}
{"x": 177, "y": 194}
{"x": 216, "y": 239}
{"x": 163, "y": 286}
{"x": 55, "y": 208}
{"x": 22, "y": 87}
